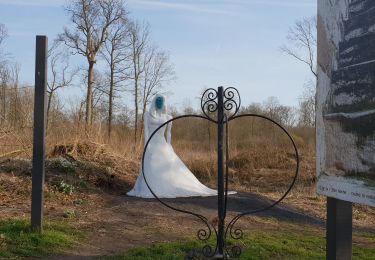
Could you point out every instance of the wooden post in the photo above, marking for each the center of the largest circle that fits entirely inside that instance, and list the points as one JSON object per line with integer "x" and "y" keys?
{"x": 38, "y": 170}
{"x": 339, "y": 229}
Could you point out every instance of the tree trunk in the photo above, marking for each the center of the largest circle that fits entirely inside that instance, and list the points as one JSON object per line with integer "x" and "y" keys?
{"x": 49, "y": 108}
{"x": 16, "y": 116}
{"x": 136, "y": 111}
{"x": 3, "y": 104}
{"x": 143, "y": 118}
{"x": 110, "y": 105}
{"x": 143, "y": 106}
{"x": 209, "y": 135}
{"x": 90, "y": 80}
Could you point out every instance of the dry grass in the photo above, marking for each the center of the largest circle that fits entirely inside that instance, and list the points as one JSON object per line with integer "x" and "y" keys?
{"x": 261, "y": 160}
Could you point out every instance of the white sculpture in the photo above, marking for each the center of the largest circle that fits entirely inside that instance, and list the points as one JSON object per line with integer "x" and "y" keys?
{"x": 165, "y": 173}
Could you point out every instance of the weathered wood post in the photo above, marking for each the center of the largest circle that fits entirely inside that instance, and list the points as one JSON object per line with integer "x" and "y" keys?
{"x": 38, "y": 171}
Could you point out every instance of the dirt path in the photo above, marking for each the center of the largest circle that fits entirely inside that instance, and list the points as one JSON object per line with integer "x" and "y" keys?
{"x": 115, "y": 223}
{"x": 120, "y": 222}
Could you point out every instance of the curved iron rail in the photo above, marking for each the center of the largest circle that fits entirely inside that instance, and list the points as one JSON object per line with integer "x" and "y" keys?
{"x": 202, "y": 234}
{"x": 238, "y": 233}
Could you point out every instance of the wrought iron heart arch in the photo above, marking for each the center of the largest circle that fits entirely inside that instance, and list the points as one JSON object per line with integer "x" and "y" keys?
{"x": 227, "y": 104}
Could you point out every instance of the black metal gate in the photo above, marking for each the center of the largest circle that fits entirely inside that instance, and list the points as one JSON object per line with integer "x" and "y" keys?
{"x": 226, "y": 103}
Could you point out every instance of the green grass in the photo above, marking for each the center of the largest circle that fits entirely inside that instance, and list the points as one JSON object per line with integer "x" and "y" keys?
{"x": 258, "y": 245}
{"x": 18, "y": 240}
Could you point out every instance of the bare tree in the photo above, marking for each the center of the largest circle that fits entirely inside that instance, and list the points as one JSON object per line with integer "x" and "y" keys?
{"x": 302, "y": 45}
{"x": 91, "y": 19}
{"x": 3, "y": 33}
{"x": 99, "y": 93}
{"x": 124, "y": 118}
{"x": 116, "y": 54}
{"x": 158, "y": 71}
{"x": 302, "y": 42}
{"x": 285, "y": 115}
{"x": 15, "y": 116}
{"x": 60, "y": 75}
{"x": 4, "y": 81}
{"x": 139, "y": 40}
{"x": 100, "y": 90}
{"x": 3, "y": 36}
{"x": 4, "y": 74}
{"x": 271, "y": 106}
{"x": 307, "y": 105}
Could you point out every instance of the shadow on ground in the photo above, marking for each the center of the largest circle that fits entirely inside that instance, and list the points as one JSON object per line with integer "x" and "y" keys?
{"x": 244, "y": 202}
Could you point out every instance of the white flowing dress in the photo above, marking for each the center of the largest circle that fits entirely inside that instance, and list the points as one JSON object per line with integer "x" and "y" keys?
{"x": 166, "y": 174}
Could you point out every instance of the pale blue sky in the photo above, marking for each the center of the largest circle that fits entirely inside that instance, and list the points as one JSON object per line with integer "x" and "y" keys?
{"x": 211, "y": 42}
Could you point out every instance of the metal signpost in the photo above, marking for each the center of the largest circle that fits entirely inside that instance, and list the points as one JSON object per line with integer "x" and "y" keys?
{"x": 38, "y": 171}
{"x": 226, "y": 103}
{"x": 339, "y": 229}
{"x": 220, "y": 170}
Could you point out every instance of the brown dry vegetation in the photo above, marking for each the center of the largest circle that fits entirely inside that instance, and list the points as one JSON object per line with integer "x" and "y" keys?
{"x": 261, "y": 161}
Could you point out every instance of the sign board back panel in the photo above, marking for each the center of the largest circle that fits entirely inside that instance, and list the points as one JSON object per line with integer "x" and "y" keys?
{"x": 345, "y": 112}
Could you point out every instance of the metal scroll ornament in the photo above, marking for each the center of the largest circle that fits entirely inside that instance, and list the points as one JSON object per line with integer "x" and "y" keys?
{"x": 220, "y": 107}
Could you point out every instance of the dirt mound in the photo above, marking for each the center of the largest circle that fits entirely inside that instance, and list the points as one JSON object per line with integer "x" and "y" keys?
{"x": 18, "y": 166}
{"x": 98, "y": 165}
{"x": 80, "y": 166}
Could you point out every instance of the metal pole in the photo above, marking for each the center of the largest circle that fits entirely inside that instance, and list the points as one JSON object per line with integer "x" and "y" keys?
{"x": 339, "y": 229}
{"x": 220, "y": 171}
{"x": 38, "y": 171}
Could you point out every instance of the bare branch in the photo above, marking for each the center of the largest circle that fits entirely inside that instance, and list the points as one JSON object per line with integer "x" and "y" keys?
{"x": 302, "y": 42}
